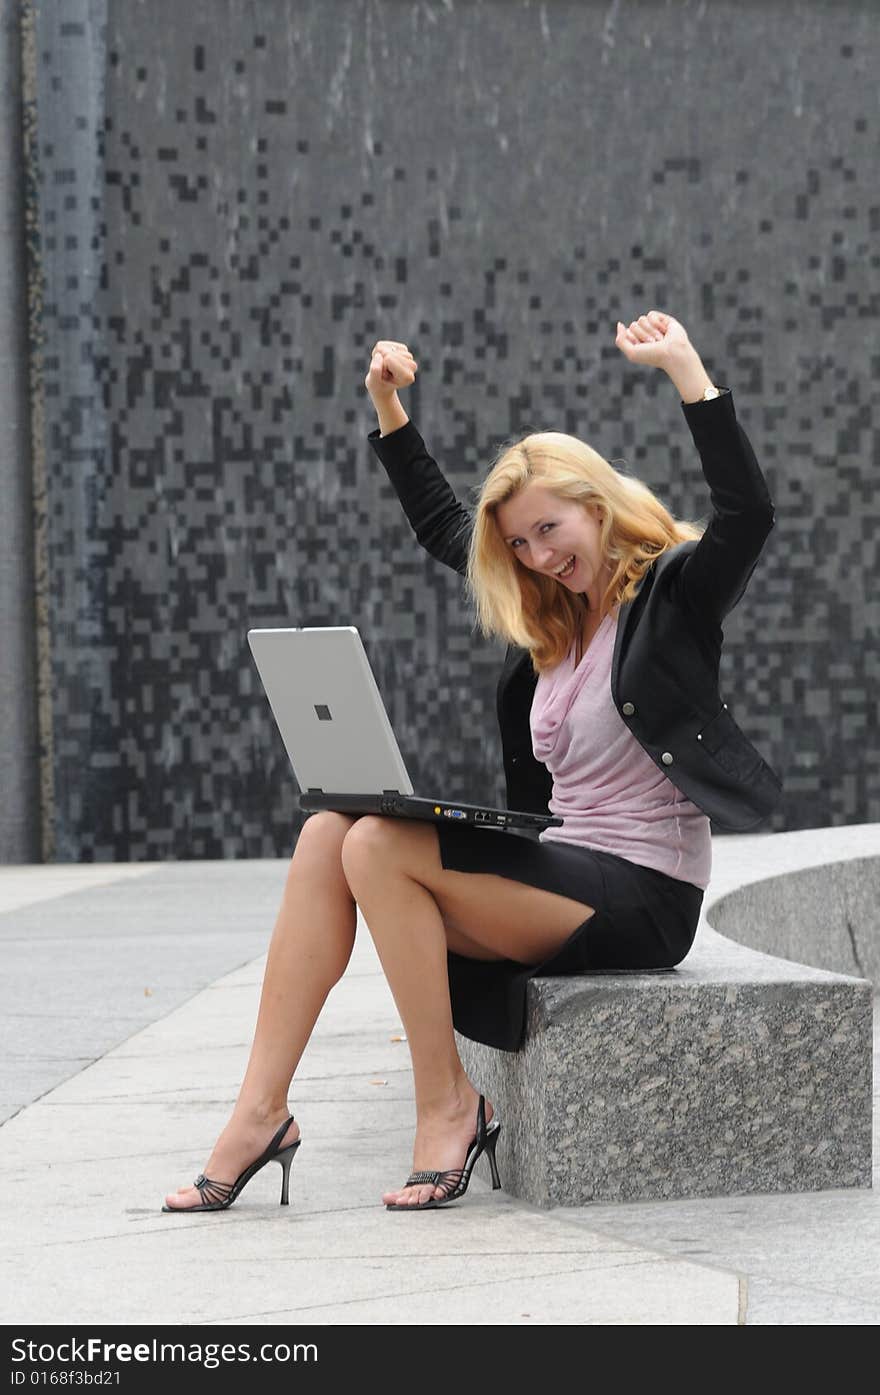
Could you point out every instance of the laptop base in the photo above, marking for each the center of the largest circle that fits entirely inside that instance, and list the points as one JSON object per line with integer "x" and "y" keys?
{"x": 408, "y": 806}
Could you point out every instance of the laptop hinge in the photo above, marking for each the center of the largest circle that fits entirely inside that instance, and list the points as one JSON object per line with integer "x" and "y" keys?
{"x": 397, "y": 792}
{"x": 314, "y": 789}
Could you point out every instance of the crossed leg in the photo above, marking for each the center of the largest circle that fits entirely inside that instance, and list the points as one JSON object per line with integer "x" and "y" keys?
{"x": 416, "y": 910}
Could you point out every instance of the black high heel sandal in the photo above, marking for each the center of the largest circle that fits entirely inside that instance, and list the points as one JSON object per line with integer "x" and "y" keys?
{"x": 216, "y": 1196}
{"x": 454, "y": 1181}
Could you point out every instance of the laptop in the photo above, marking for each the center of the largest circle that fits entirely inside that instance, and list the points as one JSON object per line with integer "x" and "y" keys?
{"x": 335, "y": 729}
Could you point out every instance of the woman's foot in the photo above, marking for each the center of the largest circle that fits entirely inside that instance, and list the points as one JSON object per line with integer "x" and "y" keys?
{"x": 243, "y": 1140}
{"x": 443, "y": 1137}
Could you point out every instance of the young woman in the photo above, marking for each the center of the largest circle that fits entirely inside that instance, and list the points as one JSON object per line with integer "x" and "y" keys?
{"x": 610, "y": 716}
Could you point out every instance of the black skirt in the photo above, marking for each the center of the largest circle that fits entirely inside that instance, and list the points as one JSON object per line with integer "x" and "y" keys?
{"x": 643, "y": 920}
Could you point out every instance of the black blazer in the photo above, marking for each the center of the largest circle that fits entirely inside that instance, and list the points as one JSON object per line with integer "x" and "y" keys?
{"x": 664, "y": 676}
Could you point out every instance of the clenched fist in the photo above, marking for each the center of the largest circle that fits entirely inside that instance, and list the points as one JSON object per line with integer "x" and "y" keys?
{"x": 392, "y": 366}
{"x": 654, "y": 339}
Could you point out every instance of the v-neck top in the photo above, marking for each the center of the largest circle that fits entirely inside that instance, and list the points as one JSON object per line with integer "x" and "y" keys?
{"x": 606, "y": 788}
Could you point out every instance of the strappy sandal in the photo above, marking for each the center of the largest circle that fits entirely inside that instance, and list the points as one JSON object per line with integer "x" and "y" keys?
{"x": 216, "y": 1196}
{"x": 454, "y": 1181}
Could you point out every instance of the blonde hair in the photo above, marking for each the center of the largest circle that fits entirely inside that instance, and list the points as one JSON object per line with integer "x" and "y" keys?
{"x": 528, "y": 608}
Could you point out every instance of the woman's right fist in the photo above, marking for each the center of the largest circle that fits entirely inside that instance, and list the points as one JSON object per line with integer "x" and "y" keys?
{"x": 392, "y": 366}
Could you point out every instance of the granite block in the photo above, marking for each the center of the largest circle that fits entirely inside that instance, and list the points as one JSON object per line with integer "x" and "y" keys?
{"x": 635, "y": 1087}
{"x": 826, "y": 916}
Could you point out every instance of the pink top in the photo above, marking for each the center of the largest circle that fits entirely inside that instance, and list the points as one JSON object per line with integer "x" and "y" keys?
{"x": 607, "y": 789}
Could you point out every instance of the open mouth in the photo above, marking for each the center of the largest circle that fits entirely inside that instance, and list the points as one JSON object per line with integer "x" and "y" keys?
{"x": 567, "y": 570}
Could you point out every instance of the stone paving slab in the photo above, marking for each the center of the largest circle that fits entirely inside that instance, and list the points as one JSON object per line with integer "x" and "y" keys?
{"x": 93, "y": 953}
{"x": 84, "y": 1168}
{"x": 816, "y": 1245}
{"x": 772, "y": 1304}
{"x": 134, "y": 1111}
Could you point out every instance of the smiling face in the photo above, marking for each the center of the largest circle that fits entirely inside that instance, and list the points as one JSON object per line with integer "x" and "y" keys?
{"x": 544, "y": 531}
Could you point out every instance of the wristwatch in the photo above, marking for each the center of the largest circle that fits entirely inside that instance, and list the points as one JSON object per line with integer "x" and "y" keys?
{"x": 709, "y": 393}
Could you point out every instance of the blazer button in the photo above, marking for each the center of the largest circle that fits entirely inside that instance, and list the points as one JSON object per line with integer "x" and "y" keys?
{"x": 666, "y": 757}
{"x": 513, "y": 760}
{"x": 628, "y": 709}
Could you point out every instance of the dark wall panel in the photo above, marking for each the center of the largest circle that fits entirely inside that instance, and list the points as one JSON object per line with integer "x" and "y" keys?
{"x": 235, "y": 200}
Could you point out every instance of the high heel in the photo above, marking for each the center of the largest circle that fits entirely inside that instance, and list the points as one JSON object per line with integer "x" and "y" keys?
{"x": 216, "y": 1196}
{"x": 454, "y": 1182}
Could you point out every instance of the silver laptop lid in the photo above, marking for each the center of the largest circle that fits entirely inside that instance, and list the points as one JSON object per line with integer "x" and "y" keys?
{"x": 324, "y": 698}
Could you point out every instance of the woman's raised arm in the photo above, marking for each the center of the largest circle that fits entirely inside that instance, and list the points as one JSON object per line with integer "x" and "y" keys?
{"x": 716, "y": 574}
{"x": 441, "y": 523}
{"x": 392, "y": 366}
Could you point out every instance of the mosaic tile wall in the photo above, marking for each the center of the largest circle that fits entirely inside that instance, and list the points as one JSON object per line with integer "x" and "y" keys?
{"x": 231, "y": 202}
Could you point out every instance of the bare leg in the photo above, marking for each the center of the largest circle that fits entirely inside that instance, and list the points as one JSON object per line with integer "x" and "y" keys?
{"x": 394, "y": 870}
{"x": 308, "y": 953}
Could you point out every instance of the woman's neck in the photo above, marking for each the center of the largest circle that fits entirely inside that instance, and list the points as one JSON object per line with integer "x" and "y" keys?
{"x": 591, "y": 622}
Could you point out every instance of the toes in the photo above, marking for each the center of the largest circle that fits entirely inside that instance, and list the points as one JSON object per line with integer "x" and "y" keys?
{"x": 413, "y": 1196}
{"x": 178, "y": 1200}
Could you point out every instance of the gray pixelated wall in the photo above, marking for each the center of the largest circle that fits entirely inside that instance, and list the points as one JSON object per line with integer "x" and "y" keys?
{"x": 230, "y": 202}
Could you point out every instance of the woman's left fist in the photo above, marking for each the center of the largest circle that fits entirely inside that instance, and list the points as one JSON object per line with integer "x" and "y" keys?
{"x": 654, "y": 339}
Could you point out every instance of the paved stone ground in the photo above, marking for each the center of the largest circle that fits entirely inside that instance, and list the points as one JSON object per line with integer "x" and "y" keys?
{"x": 129, "y": 999}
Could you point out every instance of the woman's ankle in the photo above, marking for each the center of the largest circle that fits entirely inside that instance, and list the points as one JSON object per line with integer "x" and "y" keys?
{"x": 458, "y": 1097}
{"x": 259, "y": 1111}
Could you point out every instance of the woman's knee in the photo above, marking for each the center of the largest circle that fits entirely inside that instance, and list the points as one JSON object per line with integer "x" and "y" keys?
{"x": 324, "y": 831}
{"x": 319, "y": 845}
{"x": 367, "y": 841}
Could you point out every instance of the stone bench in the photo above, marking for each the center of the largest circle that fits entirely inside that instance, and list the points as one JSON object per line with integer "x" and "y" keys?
{"x": 744, "y": 1069}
